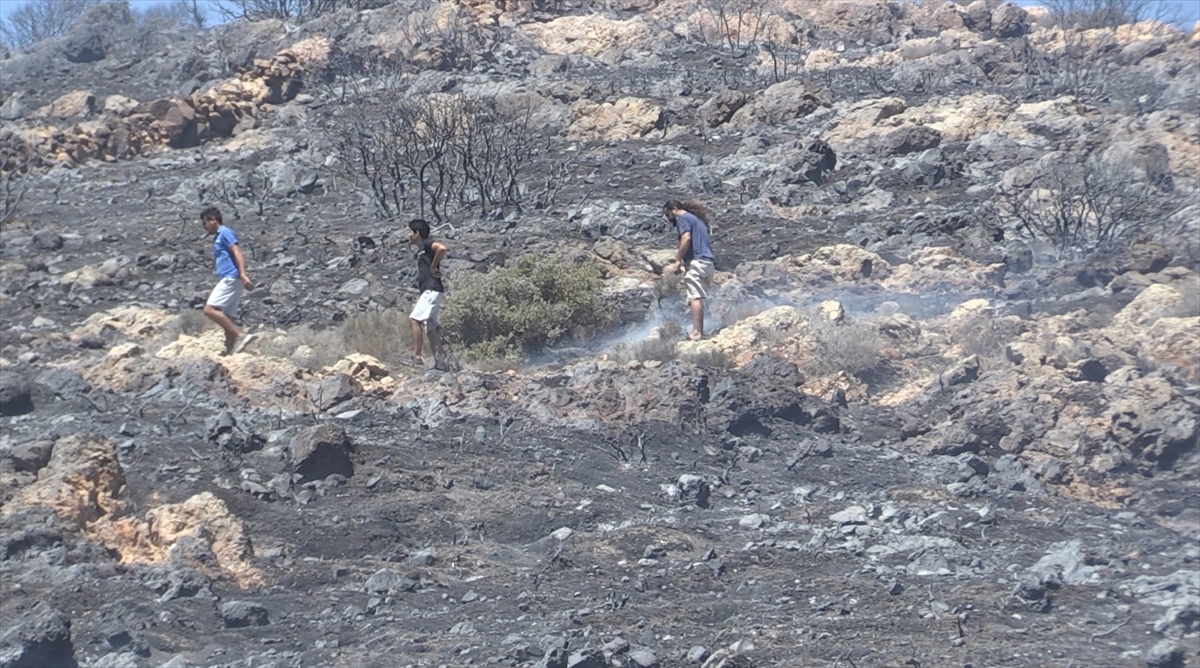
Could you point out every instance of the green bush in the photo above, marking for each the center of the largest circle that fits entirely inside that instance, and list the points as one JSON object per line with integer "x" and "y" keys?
{"x": 532, "y": 302}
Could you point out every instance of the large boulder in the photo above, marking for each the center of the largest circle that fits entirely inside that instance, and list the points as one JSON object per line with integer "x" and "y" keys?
{"x": 16, "y": 397}
{"x": 84, "y": 44}
{"x": 41, "y": 637}
{"x": 76, "y": 104}
{"x": 173, "y": 119}
{"x": 82, "y": 482}
{"x": 787, "y": 101}
{"x": 319, "y": 452}
{"x": 814, "y": 164}
{"x": 764, "y": 391}
{"x": 718, "y": 109}
{"x": 1009, "y": 20}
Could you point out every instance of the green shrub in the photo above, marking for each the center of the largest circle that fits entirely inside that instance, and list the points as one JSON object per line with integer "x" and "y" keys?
{"x": 532, "y": 302}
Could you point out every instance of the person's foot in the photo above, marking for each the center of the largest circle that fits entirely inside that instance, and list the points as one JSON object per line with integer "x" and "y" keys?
{"x": 242, "y": 342}
{"x": 695, "y": 336}
{"x": 415, "y": 361}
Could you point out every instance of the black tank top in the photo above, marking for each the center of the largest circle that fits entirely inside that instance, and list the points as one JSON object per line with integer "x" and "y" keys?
{"x": 425, "y": 278}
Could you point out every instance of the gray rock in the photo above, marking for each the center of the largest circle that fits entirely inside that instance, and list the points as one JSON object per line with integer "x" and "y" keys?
{"x": 329, "y": 392}
{"x": 1165, "y": 654}
{"x": 318, "y": 452}
{"x": 718, "y": 109}
{"x": 13, "y": 109}
{"x": 587, "y": 658}
{"x": 425, "y": 557}
{"x": 46, "y": 240}
{"x": 851, "y": 515}
{"x": 41, "y": 638}
{"x": 697, "y": 654}
{"x": 16, "y": 397}
{"x": 642, "y": 658}
{"x": 31, "y": 456}
{"x": 615, "y": 646}
{"x": 389, "y": 582}
{"x": 117, "y": 660}
{"x": 240, "y": 614}
{"x": 84, "y": 44}
{"x": 1009, "y": 20}
{"x": 355, "y": 287}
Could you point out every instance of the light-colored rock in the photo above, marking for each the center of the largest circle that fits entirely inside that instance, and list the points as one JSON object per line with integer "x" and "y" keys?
{"x": 837, "y": 264}
{"x": 119, "y": 105}
{"x": 202, "y": 523}
{"x": 591, "y": 35}
{"x": 361, "y": 367}
{"x": 831, "y": 310}
{"x": 82, "y": 483}
{"x": 76, "y": 104}
{"x": 627, "y": 118}
{"x": 851, "y": 515}
{"x": 125, "y": 350}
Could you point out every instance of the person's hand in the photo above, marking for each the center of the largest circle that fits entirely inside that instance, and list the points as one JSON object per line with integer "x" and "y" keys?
{"x": 436, "y": 271}
{"x": 247, "y": 283}
{"x": 676, "y": 267}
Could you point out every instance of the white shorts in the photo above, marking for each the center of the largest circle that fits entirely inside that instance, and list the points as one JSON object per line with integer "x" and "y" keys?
{"x": 698, "y": 277}
{"x": 427, "y": 308}
{"x": 227, "y": 295}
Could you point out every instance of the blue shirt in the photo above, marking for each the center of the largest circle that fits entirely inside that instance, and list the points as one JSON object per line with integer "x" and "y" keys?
{"x": 700, "y": 246}
{"x": 223, "y": 252}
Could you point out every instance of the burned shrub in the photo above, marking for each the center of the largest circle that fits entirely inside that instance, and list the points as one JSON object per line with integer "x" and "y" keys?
{"x": 841, "y": 344}
{"x": 1084, "y": 204}
{"x": 436, "y": 155}
{"x": 529, "y": 304}
{"x": 287, "y": 10}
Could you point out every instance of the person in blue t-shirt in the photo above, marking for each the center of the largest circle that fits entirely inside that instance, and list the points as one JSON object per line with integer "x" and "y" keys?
{"x": 695, "y": 252}
{"x": 232, "y": 281}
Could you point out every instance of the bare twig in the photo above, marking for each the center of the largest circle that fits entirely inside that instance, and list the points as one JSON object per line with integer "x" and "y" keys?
{"x": 1110, "y": 631}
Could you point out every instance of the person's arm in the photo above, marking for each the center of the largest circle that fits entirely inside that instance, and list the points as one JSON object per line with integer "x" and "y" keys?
{"x": 240, "y": 261}
{"x": 685, "y": 243}
{"x": 435, "y": 265}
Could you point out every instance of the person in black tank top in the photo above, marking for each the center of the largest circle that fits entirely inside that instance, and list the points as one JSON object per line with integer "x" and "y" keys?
{"x": 429, "y": 280}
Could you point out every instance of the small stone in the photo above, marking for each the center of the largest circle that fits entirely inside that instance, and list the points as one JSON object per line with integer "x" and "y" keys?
{"x": 125, "y": 351}
{"x": 462, "y": 629}
{"x": 562, "y": 534}
{"x": 754, "y": 521}
{"x": 425, "y": 557}
{"x": 851, "y": 515}
{"x": 697, "y": 654}
{"x": 615, "y": 646}
{"x": 643, "y": 658}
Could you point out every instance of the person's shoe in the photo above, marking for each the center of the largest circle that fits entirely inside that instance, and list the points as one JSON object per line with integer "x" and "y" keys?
{"x": 415, "y": 361}
{"x": 242, "y": 342}
{"x": 695, "y": 336}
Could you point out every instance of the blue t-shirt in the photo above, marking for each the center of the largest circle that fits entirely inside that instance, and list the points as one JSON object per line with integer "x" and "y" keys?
{"x": 689, "y": 222}
{"x": 223, "y": 252}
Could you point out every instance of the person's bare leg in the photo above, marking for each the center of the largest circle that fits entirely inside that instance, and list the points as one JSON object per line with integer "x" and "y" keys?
{"x": 232, "y": 333}
{"x": 697, "y": 306}
{"x": 416, "y": 337}
{"x": 435, "y": 343}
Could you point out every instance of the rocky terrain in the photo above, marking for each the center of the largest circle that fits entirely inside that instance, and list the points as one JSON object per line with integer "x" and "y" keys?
{"x": 923, "y": 431}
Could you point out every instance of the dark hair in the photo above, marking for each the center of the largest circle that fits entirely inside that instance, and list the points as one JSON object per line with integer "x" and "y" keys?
{"x": 213, "y": 213}
{"x": 691, "y": 206}
{"x": 420, "y": 226}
